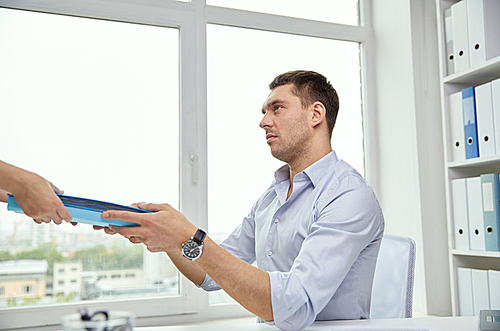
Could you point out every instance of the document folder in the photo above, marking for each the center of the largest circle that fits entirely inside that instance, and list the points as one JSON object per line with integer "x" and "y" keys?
{"x": 470, "y": 127}
{"x": 457, "y": 137}
{"x": 465, "y": 300}
{"x": 495, "y": 98}
{"x": 448, "y": 32}
{"x": 491, "y": 211}
{"x": 480, "y": 293}
{"x": 485, "y": 123}
{"x": 483, "y": 24}
{"x": 494, "y": 287}
{"x": 86, "y": 210}
{"x": 460, "y": 36}
{"x": 460, "y": 218}
{"x": 475, "y": 213}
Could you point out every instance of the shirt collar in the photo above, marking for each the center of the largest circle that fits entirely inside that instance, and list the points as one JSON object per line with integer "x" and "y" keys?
{"x": 315, "y": 171}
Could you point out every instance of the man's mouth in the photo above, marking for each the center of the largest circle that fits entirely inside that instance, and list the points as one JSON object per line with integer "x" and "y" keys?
{"x": 270, "y": 137}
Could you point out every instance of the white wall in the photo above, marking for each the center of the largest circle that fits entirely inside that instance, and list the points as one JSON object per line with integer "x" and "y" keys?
{"x": 410, "y": 158}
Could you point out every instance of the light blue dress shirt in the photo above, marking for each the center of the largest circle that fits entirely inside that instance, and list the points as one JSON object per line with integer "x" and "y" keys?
{"x": 319, "y": 246}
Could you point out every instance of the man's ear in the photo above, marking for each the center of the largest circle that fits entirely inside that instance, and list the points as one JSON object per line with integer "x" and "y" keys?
{"x": 318, "y": 113}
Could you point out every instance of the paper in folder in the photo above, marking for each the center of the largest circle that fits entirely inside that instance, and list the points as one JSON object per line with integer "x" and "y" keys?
{"x": 86, "y": 210}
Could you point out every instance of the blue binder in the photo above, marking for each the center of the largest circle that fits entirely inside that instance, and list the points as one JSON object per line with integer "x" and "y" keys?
{"x": 86, "y": 210}
{"x": 490, "y": 188}
{"x": 470, "y": 127}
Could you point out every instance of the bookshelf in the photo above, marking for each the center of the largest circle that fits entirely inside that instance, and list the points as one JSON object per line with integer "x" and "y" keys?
{"x": 452, "y": 83}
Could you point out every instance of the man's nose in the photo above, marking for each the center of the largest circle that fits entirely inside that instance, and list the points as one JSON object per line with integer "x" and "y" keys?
{"x": 266, "y": 122}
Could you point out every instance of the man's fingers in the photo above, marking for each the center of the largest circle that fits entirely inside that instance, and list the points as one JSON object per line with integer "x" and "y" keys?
{"x": 153, "y": 206}
{"x": 127, "y": 232}
{"x": 122, "y": 215}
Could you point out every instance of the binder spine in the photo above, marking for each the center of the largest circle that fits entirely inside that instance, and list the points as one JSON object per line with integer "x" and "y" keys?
{"x": 470, "y": 127}
{"x": 491, "y": 211}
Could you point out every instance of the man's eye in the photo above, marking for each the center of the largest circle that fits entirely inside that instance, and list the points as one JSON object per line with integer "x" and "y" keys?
{"x": 277, "y": 107}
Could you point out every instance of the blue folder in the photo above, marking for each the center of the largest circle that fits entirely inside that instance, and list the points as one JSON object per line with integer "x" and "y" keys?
{"x": 490, "y": 188}
{"x": 86, "y": 210}
{"x": 470, "y": 126}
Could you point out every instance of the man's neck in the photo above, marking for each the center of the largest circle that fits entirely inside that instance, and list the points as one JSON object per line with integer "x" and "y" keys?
{"x": 301, "y": 165}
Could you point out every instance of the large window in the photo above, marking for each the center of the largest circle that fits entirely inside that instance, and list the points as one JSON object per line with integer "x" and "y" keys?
{"x": 241, "y": 64}
{"x": 136, "y": 101}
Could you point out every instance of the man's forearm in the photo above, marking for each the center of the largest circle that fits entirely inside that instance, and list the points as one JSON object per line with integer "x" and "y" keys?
{"x": 248, "y": 285}
{"x": 190, "y": 270}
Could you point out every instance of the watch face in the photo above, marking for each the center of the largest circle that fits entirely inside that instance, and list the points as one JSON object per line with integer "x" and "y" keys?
{"x": 191, "y": 249}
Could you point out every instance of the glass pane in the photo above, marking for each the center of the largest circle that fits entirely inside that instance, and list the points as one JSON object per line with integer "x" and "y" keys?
{"x": 241, "y": 64}
{"x": 334, "y": 11}
{"x": 93, "y": 107}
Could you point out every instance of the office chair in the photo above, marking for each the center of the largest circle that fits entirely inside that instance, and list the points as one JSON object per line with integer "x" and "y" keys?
{"x": 392, "y": 292}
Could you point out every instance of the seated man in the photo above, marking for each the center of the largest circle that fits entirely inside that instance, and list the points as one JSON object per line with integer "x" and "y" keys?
{"x": 315, "y": 232}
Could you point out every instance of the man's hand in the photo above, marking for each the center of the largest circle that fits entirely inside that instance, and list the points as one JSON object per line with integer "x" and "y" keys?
{"x": 162, "y": 231}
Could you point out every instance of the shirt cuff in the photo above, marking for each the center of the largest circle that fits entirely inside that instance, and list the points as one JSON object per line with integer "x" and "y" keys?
{"x": 287, "y": 295}
{"x": 208, "y": 284}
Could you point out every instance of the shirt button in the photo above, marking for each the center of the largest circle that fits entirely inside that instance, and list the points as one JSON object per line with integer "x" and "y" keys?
{"x": 269, "y": 253}
{"x": 276, "y": 221}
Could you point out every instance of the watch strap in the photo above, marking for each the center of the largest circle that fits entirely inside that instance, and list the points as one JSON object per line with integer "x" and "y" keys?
{"x": 199, "y": 236}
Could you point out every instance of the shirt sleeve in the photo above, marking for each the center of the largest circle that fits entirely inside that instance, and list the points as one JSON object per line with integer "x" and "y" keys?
{"x": 348, "y": 218}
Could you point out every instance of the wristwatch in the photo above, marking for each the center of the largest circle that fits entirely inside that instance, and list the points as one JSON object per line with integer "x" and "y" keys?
{"x": 192, "y": 248}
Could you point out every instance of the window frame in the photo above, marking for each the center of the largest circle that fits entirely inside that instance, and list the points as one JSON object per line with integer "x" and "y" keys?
{"x": 191, "y": 19}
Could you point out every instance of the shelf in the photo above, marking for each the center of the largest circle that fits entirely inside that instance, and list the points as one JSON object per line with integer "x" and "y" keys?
{"x": 475, "y": 253}
{"x": 477, "y": 75}
{"x": 478, "y": 162}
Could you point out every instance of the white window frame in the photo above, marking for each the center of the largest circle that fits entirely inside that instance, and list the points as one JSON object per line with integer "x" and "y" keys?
{"x": 191, "y": 18}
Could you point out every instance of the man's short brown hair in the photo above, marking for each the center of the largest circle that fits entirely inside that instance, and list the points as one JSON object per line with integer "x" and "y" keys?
{"x": 310, "y": 87}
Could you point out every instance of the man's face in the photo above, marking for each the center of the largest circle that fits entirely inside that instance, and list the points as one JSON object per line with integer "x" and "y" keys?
{"x": 286, "y": 124}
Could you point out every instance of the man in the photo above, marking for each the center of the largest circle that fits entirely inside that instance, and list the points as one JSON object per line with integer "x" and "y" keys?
{"x": 315, "y": 232}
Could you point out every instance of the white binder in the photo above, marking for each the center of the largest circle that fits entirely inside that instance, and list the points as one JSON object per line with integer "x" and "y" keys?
{"x": 495, "y": 96}
{"x": 483, "y": 23}
{"x": 457, "y": 137}
{"x": 484, "y": 115}
{"x": 448, "y": 32}
{"x": 475, "y": 213}
{"x": 480, "y": 293}
{"x": 494, "y": 287}
{"x": 460, "y": 218}
{"x": 465, "y": 300}
{"x": 460, "y": 36}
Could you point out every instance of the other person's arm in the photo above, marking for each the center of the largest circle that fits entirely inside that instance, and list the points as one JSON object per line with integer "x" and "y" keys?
{"x": 34, "y": 194}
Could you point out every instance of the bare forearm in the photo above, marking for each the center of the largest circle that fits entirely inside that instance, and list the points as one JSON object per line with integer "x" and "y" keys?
{"x": 189, "y": 269}
{"x": 11, "y": 177}
{"x": 246, "y": 284}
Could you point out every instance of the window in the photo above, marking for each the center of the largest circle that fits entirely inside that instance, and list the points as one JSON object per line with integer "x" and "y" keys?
{"x": 127, "y": 105}
{"x": 335, "y": 11}
{"x": 2, "y": 290}
{"x": 27, "y": 289}
{"x": 89, "y": 91}
{"x": 337, "y": 60}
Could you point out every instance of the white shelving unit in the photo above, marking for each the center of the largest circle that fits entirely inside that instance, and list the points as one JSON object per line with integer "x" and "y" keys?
{"x": 450, "y": 84}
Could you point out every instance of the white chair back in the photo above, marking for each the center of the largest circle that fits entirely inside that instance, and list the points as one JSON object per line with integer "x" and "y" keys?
{"x": 392, "y": 292}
